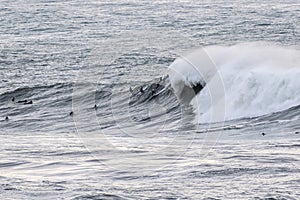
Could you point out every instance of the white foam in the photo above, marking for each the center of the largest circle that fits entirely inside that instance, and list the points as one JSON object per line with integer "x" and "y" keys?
{"x": 258, "y": 79}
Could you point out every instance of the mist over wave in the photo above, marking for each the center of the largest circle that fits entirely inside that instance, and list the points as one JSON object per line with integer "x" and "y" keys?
{"x": 257, "y": 79}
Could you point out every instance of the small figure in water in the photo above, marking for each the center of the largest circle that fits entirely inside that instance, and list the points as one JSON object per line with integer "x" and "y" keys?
{"x": 6, "y": 118}
{"x": 130, "y": 89}
{"x": 142, "y": 90}
{"x": 22, "y": 101}
{"x": 155, "y": 87}
{"x": 95, "y": 107}
{"x": 71, "y": 113}
{"x": 28, "y": 102}
{"x": 263, "y": 134}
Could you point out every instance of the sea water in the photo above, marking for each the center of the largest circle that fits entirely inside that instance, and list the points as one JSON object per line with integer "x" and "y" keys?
{"x": 106, "y": 122}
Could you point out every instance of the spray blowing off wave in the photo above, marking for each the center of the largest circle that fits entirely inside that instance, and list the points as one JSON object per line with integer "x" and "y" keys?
{"x": 251, "y": 80}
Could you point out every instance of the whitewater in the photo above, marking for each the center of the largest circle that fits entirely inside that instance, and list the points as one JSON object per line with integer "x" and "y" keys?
{"x": 256, "y": 79}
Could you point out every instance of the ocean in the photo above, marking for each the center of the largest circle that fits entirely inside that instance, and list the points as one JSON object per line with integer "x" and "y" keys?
{"x": 149, "y": 99}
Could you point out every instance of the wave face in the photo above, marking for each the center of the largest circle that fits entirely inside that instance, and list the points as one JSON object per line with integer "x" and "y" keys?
{"x": 256, "y": 79}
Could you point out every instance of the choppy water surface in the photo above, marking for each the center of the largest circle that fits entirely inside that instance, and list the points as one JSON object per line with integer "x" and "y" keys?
{"x": 140, "y": 142}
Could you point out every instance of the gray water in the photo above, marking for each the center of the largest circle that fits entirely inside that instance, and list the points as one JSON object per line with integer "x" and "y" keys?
{"x": 68, "y": 56}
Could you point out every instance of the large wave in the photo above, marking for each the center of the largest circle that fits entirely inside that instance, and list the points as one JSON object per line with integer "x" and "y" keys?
{"x": 252, "y": 79}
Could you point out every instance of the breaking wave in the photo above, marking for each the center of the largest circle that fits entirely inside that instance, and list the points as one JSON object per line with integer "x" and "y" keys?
{"x": 251, "y": 80}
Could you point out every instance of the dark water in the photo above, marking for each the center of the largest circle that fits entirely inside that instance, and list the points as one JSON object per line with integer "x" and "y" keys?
{"x": 68, "y": 56}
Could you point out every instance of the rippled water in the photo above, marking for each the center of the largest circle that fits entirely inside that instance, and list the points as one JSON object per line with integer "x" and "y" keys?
{"x": 68, "y": 56}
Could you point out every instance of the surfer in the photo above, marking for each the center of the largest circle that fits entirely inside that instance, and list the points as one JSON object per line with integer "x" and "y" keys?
{"x": 28, "y": 102}
{"x": 6, "y": 118}
{"x": 154, "y": 87}
{"x": 130, "y": 89}
{"x": 22, "y": 101}
{"x": 142, "y": 90}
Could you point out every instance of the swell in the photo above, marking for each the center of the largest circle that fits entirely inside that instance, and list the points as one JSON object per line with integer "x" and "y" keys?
{"x": 153, "y": 103}
{"x": 47, "y": 111}
{"x": 30, "y": 92}
{"x": 52, "y": 105}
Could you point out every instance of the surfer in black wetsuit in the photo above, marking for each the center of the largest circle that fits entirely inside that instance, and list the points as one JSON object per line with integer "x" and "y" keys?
{"x": 28, "y": 102}
{"x": 22, "y": 101}
{"x": 130, "y": 89}
{"x": 153, "y": 89}
{"x": 142, "y": 90}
